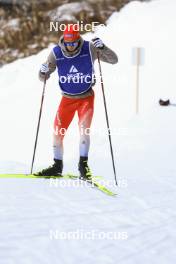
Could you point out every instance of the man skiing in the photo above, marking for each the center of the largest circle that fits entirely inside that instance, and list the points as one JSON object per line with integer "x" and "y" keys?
{"x": 74, "y": 59}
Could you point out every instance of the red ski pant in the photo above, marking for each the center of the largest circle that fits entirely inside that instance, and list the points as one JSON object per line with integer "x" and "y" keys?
{"x": 65, "y": 114}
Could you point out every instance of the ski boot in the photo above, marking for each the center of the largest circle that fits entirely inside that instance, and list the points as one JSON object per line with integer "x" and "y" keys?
{"x": 54, "y": 170}
{"x": 85, "y": 173}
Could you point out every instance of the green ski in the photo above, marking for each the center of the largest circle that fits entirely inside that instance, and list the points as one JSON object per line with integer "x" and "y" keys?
{"x": 93, "y": 181}
{"x": 31, "y": 176}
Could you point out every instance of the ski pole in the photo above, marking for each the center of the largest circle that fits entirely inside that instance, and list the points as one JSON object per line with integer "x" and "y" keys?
{"x": 107, "y": 119}
{"x": 38, "y": 126}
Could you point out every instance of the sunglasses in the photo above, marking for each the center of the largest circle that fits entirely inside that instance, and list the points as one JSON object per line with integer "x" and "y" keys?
{"x": 71, "y": 44}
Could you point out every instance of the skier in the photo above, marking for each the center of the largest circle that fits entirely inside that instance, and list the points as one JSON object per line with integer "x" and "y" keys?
{"x": 74, "y": 59}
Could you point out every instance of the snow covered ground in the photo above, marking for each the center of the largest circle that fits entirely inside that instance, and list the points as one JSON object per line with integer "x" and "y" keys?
{"x": 139, "y": 224}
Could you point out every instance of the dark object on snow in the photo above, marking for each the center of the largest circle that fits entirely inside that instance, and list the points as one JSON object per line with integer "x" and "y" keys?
{"x": 164, "y": 103}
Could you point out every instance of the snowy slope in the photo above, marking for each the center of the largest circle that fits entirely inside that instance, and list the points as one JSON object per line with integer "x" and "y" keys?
{"x": 144, "y": 146}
